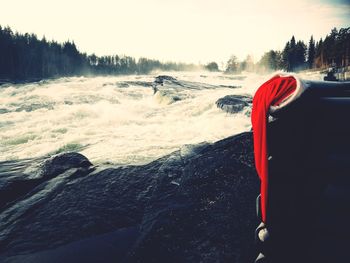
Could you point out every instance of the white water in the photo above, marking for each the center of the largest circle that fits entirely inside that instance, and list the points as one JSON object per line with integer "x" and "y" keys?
{"x": 108, "y": 122}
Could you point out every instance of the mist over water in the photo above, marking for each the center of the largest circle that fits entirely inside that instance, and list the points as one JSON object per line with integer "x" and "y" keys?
{"x": 119, "y": 119}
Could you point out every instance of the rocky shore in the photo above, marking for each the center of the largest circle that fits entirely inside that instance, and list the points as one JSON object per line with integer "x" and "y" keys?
{"x": 194, "y": 205}
{"x": 234, "y": 103}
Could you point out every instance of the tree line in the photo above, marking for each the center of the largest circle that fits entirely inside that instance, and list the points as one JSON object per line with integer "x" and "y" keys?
{"x": 333, "y": 51}
{"x": 26, "y": 57}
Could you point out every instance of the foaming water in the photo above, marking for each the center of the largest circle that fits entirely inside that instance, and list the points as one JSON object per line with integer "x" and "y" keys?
{"x": 119, "y": 119}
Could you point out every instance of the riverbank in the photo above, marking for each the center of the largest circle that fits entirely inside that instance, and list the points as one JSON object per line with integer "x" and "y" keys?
{"x": 196, "y": 204}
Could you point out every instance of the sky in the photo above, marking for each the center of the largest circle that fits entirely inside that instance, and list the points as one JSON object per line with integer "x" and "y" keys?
{"x": 197, "y": 31}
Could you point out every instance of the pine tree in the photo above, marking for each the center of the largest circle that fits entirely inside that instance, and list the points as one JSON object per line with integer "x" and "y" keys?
{"x": 299, "y": 55}
{"x": 311, "y": 53}
{"x": 291, "y": 54}
{"x": 286, "y": 63}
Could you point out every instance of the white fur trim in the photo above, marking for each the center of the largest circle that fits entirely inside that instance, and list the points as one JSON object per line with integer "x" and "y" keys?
{"x": 300, "y": 88}
{"x": 263, "y": 235}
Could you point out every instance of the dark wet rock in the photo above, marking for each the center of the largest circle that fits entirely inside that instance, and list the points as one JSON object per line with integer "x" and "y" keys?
{"x": 127, "y": 84}
{"x": 76, "y": 208}
{"x": 62, "y": 162}
{"x": 234, "y": 103}
{"x": 175, "y": 87}
{"x": 233, "y": 77}
{"x": 145, "y": 84}
{"x": 15, "y": 182}
{"x": 205, "y": 216}
{"x": 168, "y": 89}
{"x": 230, "y": 86}
{"x": 122, "y": 85}
{"x": 15, "y": 189}
{"x": 160, "y": 79}
{"x": 3, "y": 111}
{"x": 194, "y": 205}
{"x": 67, "y": 102}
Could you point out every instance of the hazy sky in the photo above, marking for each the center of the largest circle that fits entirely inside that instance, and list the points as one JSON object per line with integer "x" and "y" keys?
{"x": 178, "y": 30}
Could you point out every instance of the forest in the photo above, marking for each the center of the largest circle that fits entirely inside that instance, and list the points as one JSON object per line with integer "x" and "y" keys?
{"x": 332, "y": 51}
{"x": 25, "y": 57}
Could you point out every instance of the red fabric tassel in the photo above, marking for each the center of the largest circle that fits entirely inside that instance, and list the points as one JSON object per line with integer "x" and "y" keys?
{"x": 270, "y": 93}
